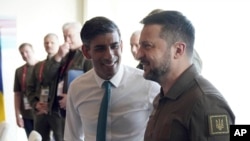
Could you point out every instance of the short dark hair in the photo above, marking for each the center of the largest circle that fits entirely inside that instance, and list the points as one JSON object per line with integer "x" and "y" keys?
{"x": 175, "y": 27}
{"x": 24, "y": 45}
{"x": 97, "y": 26}
{"x": 155, "y": 11}
{"x": 50, "y": 34}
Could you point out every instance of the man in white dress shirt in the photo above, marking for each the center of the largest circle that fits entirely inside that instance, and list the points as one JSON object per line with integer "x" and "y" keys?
{"x": 131, "y": 97}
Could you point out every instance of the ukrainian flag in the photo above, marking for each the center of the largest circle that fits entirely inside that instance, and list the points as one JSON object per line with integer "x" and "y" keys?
{"x": 2, "y": 109}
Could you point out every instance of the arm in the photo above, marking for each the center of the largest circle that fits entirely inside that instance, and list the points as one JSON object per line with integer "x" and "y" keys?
{"x": 18, "y": 99}
{"x": 17, "y": 102}
{"x": 210, "y": 119}
{"x": 62, "y": 52}
{"x": 34, "y": 90}
{"x": 73, "y": 125}
{"x": 33, "y": 97}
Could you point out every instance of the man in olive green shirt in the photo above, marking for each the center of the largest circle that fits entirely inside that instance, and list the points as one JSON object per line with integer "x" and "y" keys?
{"x": 47, "y": 119}
{"x": 189, "y": 107}
{"x": 23, "y": 110}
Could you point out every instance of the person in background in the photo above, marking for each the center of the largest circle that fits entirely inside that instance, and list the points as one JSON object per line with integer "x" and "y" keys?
{"x": 134, "y": 44}
{"x": 189, "y": 107}
{"x": 69, "y": 57}
{"x": 197, "y": 61}
{"x": 47, "y": 119}
{"x": 23, "y": 110}
{"x": 131, "y": 95}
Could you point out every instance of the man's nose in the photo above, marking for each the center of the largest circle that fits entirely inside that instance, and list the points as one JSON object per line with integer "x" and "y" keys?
{"x": 109, "y": 53}
{"x": 67, "y": 39}
{"x": 139, "y": 54}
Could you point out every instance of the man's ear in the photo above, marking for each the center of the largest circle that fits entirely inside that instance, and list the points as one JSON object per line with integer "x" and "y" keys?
{"x": 180, "y": 49}
{"x": 85, "y": 51}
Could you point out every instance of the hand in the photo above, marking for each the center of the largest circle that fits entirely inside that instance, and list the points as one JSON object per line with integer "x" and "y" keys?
{"x": 19, "y": 121}
{"x": 62, "y": 102}
{"x": 62, "y": 51}
{"x": 42, "y": 108}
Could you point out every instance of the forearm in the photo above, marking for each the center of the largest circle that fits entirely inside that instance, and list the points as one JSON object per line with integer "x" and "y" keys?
{"x": 17, "y": 102}
{"x": 32, "y": 90}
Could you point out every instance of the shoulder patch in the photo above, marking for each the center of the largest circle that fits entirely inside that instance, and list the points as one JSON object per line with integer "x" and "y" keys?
{"x": 218, "y": 124}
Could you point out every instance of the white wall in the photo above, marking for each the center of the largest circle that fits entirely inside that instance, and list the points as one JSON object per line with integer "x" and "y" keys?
{"x": 34, "y": 18}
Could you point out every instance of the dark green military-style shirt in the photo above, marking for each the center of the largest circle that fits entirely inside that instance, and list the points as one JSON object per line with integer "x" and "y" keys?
{"x": 37, "y": 82}
{"x": 192, "y": 110}
{"x": 54, "y": 72}
{"x": 22, "y": 77}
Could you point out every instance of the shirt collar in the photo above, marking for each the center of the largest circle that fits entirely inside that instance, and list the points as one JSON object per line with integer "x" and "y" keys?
{"x": 115, "y": 80}
{"x": 182, "y": 83}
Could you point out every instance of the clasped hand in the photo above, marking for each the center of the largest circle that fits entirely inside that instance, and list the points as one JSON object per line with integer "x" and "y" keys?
{"x": 62, "y": 102}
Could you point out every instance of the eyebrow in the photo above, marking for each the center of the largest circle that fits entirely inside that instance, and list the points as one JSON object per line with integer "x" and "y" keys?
{"x": 145, "y": 42}
{"x": 102, "y": 45}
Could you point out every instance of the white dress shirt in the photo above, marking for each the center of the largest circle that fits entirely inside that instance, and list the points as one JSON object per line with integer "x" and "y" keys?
{"x": 128, "y": 111}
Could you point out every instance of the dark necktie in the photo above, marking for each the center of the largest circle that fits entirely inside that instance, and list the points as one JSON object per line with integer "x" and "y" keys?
{"x": 102, "y": 118}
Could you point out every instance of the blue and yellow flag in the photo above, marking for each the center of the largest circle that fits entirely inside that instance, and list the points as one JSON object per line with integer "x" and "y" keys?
{"x": 2, "y": 109}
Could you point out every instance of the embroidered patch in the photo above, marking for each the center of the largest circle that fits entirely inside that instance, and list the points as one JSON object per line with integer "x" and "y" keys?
{"x": 218, "y": 124}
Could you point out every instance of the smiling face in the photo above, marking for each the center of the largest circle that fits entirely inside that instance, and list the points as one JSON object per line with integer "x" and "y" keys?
{"x": 154, "y": 53}
{"x": 105, "y": 51}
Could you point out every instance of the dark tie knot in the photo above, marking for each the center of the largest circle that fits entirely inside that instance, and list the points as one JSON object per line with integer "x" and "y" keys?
{"x": 106, "y": 84}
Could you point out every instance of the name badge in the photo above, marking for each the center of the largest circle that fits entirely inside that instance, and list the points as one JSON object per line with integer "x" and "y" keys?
{"x": 60, "y": 88}
{"x": 44, "y": 96}
{"x": 26, "y": 103}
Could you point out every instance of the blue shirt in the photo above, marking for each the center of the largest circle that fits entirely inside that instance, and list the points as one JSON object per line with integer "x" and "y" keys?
{"x": 129, "y": 107}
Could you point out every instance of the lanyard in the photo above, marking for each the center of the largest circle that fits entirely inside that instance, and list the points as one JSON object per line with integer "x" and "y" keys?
{"x": 68, "y": 63}
{"x": 41, "y": 71}
{"x": 24, "y": 78}
{"x": 65, "y": 67}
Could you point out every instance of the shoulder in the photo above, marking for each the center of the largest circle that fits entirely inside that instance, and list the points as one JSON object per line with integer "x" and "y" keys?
{"x": 136, "y": 76}
{"x": 82, "y": 84}
{"x": 40, "y": 62}
{"x": 133, "y": 74}
{"x": 84, "y": 78}
{"x": 20, "y": 68}
{"x": 128, "y": 70}
{"x": 37, "y": 65}
{"x": 79, "y": 54}
{"x": 209, "y": 97}
{"x": 210, "y": 105}
{"x": 207, "y": 88}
